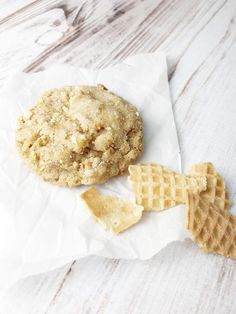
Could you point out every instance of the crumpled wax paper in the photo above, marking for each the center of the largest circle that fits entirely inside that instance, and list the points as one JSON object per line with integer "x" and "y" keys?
{"x": 43, "y": 226}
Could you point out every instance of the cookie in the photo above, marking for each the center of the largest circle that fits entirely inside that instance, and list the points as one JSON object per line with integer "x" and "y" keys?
{"x": 80, "y": 135}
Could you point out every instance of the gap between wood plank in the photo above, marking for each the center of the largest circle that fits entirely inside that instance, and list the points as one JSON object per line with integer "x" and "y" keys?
{"x": 203, "y": 62}
{"x": 61, "y": 286}
{"x": 200, "y": 30}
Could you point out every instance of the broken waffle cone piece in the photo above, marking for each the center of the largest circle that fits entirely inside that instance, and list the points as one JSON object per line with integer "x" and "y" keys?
{"x": 212, "y": 228}
{"x": 157, "y": 187}
{"x": 112, "y": 213}
{"x": 216, "y": 192}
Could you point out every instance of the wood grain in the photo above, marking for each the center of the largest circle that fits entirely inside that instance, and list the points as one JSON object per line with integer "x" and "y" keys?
{"x": 199, "y": 38}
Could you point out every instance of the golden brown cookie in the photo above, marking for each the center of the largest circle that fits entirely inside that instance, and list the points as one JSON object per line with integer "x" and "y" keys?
{"x": 80, "y": 135}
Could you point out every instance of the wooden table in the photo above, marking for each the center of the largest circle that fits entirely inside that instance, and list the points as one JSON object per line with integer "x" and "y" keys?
{"x": 199, "y": 38}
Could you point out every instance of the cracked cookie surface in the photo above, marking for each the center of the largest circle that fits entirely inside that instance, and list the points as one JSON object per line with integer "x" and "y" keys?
{"x": 80, "y": 135}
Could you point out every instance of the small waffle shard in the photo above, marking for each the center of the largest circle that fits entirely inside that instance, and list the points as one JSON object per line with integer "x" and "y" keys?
{"x": 212, "y": 228}
{"x": 157, "y": 187}
{"x": 216, "y": 192}
{"x": 112, "y": 213}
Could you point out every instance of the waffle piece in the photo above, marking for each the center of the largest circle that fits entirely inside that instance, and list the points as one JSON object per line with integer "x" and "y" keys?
{"x": 216, "y": 192}
{"x": 157, "y": 187}
{"x": 212, "y": 228}
{"x": 112, "y": 213}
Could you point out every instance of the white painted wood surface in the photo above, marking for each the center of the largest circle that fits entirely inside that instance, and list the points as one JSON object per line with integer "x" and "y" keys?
{"x": 199, "y": 38}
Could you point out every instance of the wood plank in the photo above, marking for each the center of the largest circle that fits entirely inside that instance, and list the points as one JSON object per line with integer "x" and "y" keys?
{"x": 17, "y": 12}
{"x": 82, "y": 27}
{"x": 159, "y": 24}
{"x": 36, "y": 33}
{"x": 34, "y": 294}
{"x": 8, "y": 7}
{"x": 175, "y": 281}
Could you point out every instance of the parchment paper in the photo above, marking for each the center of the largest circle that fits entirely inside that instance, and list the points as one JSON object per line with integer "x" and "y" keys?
{"x": 43, "y": 226}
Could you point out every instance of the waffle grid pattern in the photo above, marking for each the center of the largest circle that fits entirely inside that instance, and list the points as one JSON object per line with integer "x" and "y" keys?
{"x": 157, "y": 187}
{"x": 216, "y": 190}
{"x": 213, "y": 229}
